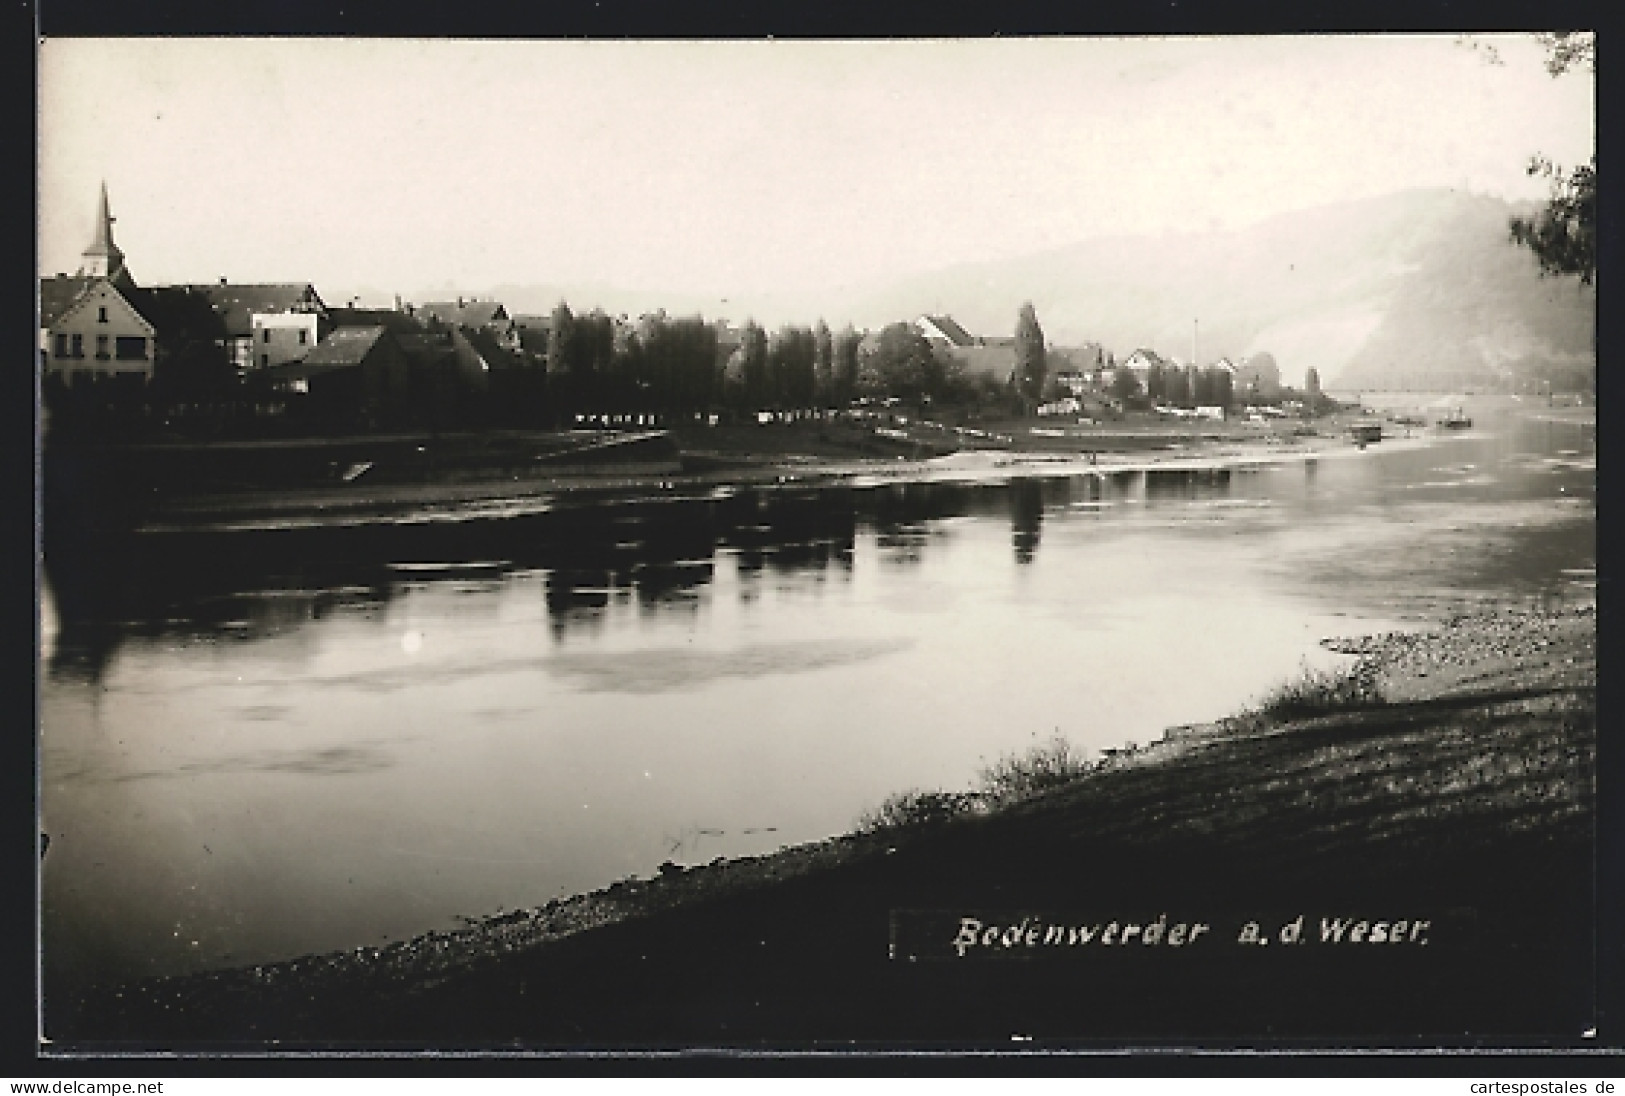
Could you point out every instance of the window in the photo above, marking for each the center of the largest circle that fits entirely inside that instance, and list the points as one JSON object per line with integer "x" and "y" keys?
{"x": 61, "y": 350}
{"x": 101, "y": 314}
{"x": 101, "y": 347}
{"x": 78, "y": 345}
{"x": 265, "y": 359}
{"x": 267, "y": 334}
{"x": 131, "y": 348}
{"x": 303, "y": 334}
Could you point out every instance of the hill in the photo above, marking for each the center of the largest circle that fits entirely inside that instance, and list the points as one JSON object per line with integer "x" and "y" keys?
{"x": 1415, "y": 289}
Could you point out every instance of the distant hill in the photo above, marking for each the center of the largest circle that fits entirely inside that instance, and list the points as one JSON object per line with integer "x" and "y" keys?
{"x": 1418, "y": 288}
{"x": 1415, "y": 289}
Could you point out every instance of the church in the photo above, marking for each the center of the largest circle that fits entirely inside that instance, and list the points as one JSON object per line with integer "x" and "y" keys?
{"x": 89, "y": 324}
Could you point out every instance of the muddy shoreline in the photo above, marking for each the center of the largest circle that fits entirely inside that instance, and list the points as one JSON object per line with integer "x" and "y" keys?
{"x": 1472, "y": 767}
{"x": 524, "y": 488}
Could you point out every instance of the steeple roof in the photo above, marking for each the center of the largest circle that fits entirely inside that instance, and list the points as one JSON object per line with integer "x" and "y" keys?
{"x": 103, "y": 257}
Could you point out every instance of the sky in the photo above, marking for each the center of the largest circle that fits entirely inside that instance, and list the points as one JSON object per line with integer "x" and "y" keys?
{"x": 364, "y": 165}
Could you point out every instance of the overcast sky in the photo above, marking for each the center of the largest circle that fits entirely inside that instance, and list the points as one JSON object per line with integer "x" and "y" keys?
{"x": 710, "y": 167}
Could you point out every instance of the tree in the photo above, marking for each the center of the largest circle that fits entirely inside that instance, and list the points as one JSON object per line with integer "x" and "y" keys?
{"x": 1030, "y": 364}
{"x": 846, "y": 365}
{"x": 559, "y": 341}
{"x": 190, "y": 359}
{"x": 754, "y": 365}
{"x": 823, "y": 364}
{"x": 1176, "y": 386}
{"x": 1125, "y": 385}
{"x": 903, "y": 364}
{"x": 1563, "y": 235}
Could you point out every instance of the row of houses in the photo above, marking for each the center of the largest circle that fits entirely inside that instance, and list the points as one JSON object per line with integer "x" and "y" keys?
{"x": 282, "y": 337}
{"x": 1079, "y": 369}
{"x": 99, "y": 323}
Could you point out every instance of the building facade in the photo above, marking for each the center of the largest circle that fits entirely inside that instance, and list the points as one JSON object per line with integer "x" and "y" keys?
{"x": 90, "y": 325}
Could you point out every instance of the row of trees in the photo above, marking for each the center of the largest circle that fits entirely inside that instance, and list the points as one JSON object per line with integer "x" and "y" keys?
{"x": 1186, "y": 386}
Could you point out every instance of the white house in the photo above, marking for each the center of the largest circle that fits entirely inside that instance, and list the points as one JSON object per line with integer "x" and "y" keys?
{"x": 268, "y": 324}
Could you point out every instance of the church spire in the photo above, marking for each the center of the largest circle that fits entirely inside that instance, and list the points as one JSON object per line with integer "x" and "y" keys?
{"x": 102, "y": 258}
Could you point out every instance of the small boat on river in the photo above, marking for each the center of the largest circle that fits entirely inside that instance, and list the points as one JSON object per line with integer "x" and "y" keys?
{"x": 1456, "y": 420}
{"x": 1365, "y": 432}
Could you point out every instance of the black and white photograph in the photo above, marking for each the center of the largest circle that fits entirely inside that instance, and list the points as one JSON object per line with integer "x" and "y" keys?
{"x": 996, "y": 544}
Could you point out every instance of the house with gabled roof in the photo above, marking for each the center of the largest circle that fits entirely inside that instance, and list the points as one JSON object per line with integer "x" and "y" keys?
{"x": 355, "y": 369}
{"x": 1142, "y": 361}
{"x": 945, "y": 331}
{"x": 92, "y": 324}
{"x": 268, "y": 323}
{"x": 489, "y": 316}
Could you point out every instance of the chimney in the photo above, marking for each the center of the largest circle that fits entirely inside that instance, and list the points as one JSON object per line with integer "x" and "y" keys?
{"x": 459, "y": 300}
{"x": 222, "y": 279}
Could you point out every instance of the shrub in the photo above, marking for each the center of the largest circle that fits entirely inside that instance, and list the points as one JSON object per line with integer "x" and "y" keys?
{"x": 1046, "y": 766}
{"x": 1319, "y": 692}
{"x": 916, "y": 808}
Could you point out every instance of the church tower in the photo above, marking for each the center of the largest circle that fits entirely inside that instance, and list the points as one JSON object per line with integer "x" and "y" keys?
{"x": 103, "y": 259}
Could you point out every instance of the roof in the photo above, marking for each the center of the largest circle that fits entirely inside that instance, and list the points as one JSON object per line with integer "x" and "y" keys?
{"x": 951, "y": 330}
{"x": 237, "y": 304}
{"x": 1151, "y": 357}
{"x": 345, "y": 347}
{"x": 400, "y": 323}
{"x": 57, "y": 295}
{"x": 466, "y": 313}
{"x": 495, "y": 354}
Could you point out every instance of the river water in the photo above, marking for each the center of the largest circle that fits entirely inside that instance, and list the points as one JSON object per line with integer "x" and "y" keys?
{"x": 257, "y": 745}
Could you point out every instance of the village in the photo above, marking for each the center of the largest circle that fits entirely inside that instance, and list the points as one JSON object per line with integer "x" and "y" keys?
{"x": 223, "y": 360}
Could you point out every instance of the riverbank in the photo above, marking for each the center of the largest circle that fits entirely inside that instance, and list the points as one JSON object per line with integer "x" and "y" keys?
{"x": 1446, "y": 781}
{"x": 796, "y": 455}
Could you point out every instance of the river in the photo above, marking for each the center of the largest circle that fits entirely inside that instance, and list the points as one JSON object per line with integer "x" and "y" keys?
{"x": 256, "y": 745}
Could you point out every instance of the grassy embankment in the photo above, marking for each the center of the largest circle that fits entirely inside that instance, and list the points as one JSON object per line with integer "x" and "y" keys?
{"x": 1446, "y": 779}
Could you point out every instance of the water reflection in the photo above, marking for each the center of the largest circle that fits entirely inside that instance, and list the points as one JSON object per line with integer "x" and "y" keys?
{"x": 661, "y": 554}
{"x": 369, "y": 727}
{"x": 1026, "y": 517}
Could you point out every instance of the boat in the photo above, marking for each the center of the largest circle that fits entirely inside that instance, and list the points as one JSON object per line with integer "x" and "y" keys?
{"x": 1365, "y": 432}
{"x": 1456, "y": 420}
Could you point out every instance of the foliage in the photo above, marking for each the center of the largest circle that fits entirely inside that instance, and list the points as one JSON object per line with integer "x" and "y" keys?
{"x": 916, "y": 808}
{"x": 1566, "y": 50}
{"x": 1563, "y": 235}
{"x": 902, "y": 363}
{"x": 1011, "y": 779}
{"x": 559, "y": 340}
{"x": 823, "y": 365}
{"x": 846, "y": 365}
{"x": 1125, "y": 385}
{"x": 1320, "y": 692}
{"x": 190, "y": 359}
{"x": 1045, "y": 766}
{"x": 1030, "y": 357}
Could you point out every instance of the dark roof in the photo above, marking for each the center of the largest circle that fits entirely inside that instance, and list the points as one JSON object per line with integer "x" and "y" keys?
{"x": 345, "y": 347}
{"x": 237, "y": 304}
{"x": 57, "y": 295}
{"x": 532, "y": 319}
{"x": 495, "y": 354}
{"x": 466, "y": 313}
{"x": 423, "y": 344}
{"x": 950, "y": 327}
{"x": 398, "y": 322}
